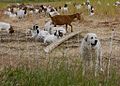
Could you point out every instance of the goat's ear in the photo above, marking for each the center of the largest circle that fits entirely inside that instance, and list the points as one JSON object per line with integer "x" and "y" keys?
{"x": 36, "y": 27}
{"x": 11, "y": 27}
{"x": 37, "y": 31}
{"x": 55, "y": 33}
{"x": 86, "y": 38}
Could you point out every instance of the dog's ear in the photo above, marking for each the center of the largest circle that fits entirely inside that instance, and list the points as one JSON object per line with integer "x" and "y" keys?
{"x": 86, "y": 38}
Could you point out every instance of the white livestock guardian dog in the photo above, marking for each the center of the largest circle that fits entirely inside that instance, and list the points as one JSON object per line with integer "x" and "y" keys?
{"x": 91, "y": 52}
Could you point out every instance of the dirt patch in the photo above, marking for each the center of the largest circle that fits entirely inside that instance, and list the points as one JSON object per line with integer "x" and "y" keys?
{"x": 21, "y": 49}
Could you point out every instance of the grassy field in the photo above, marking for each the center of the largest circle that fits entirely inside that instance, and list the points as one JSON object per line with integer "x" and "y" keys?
{"x": 54, "y": 75}
{"x": 102, "y": 10}
{"x": 24, "y": 63}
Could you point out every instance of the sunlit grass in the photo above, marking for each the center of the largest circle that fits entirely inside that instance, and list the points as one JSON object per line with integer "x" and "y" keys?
{"x": 3, "y": 5}
{"x": 101, "y": 10}
{"x": 54, "y": 75}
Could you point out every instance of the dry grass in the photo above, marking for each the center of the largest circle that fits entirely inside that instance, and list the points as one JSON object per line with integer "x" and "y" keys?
{"x": 19, "y": 50}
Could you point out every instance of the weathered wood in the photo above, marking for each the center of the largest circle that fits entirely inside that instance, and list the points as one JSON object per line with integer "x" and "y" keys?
{"x": 50, "y": 47}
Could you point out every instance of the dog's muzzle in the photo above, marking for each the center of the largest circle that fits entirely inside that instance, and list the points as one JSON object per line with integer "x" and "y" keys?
{"x": 93, "y": 44}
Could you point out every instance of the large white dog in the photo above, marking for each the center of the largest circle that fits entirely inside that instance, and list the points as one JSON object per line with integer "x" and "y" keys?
{"x": 91, "y": 52}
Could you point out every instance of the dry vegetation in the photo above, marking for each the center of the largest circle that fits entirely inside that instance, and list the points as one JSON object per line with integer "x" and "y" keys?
{"x": 20, "y": 53}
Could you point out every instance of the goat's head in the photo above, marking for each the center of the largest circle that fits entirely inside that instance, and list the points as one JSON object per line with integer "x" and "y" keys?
{"x": 58, "y": 33}
{"x": 78, "y": 16}
{"x": 35, "y": 27}
{"x": 34, "y": 31}
{"x": 11, "y": 30}
{"x": 65, "y": 5}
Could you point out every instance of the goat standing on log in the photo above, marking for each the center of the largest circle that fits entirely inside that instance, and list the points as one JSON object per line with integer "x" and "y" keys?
{"x": 65, "y": 19}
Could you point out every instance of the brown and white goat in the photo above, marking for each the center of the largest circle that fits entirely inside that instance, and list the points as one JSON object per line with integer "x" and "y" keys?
{"x": 65, "y": 19}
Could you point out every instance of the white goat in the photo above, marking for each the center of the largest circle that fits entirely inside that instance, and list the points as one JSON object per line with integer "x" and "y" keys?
{"x": 7, "y": 13}
{"x": 64, "y": 10}
{"x": 36, "y": 11}
{"x": 7, "y": 27}
{"x": 92, "y": 11}
{"x": 53, "y": 37}
{"x": 38, "y": 34}
{"x": 89, "y": 7}
{"x": 11, "y": 15}
{"x": 48, "y": 25}
{"x": 117, "y": 3}
{"x": 33, "y": 33}
{"x": 78, "y": 6}
{"x": 42, "y": 34}
{"x": 61, "y": 29}
{"x": 51, "y": 29}
{"x": 20, "y": 13}
{"x": 54, "y": 13}
{"x": 50, "y": 38}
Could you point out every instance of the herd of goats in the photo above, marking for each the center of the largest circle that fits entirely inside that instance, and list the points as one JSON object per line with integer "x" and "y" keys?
{"x": 51, "y": 32}
{"x": 53, "y": 29}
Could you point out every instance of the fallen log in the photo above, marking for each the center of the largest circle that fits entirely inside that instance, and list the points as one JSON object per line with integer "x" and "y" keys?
{"x": 50, "y": 47}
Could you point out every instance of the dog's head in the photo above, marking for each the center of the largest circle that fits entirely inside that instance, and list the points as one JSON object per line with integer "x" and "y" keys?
{"x": 91, "y": 39}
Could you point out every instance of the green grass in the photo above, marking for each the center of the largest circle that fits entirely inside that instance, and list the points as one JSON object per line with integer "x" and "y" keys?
{"x": 101, "y": 10}
{"x": 21, "y": 1}
{"x": 3, "y": 5}
{"x": 53, "y": 75}
{"x": 60, "y": 74}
